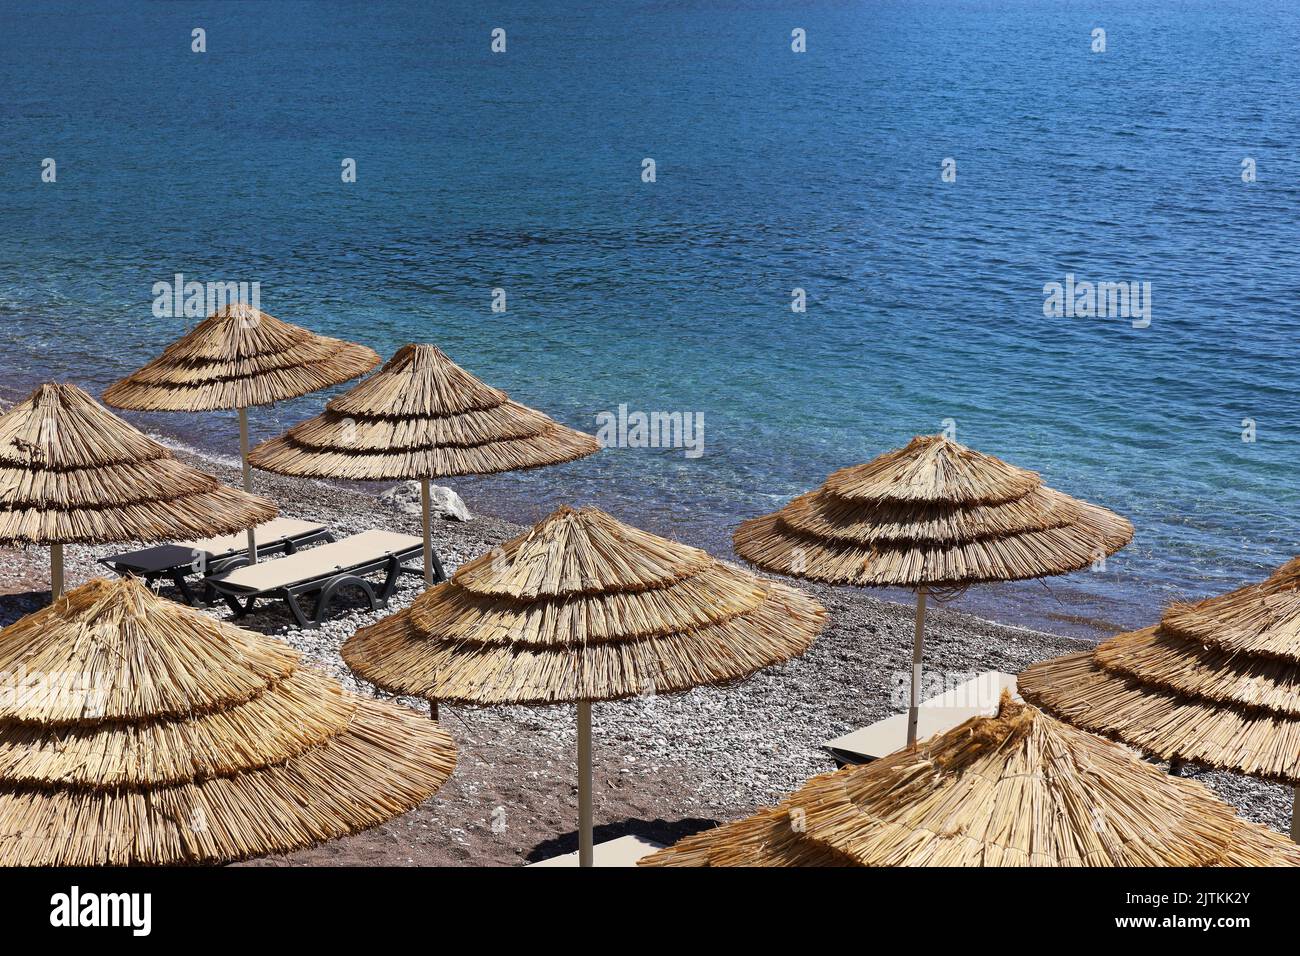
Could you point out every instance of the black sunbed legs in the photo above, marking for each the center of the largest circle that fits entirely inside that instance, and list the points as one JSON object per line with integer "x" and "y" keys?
{"x": 390, "y": 579}
{"x": 241, "y": 610}
{"x": 178, "y": 579}
{"x": 296, "y": 609}
{"x": 151, "y": 581}
{"x": 182, "y": 585}
{"x": 327, "y": 594}
{"x": 214, "y": 569}
{"x": 335, "y": 584}
{"x": 439, "y": 575}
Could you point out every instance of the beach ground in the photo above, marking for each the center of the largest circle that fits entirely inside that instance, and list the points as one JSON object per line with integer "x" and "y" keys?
{"x": 663, "y": 766}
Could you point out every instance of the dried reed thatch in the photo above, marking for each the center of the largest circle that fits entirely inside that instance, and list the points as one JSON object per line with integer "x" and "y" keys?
{"x": 1019, "y": 789}
{"x": 239, "y": 357}
{"x": 934, "y": 513}
{"x": 584, "y": 608}
{"x": 72, "y": 472}
{"x": 422, "y": 416}
{"x": 142, "y": 732}
{"x": 1216, "y": 683}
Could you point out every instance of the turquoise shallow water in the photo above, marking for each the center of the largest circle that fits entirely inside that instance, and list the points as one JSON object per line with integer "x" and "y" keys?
{"x": 775, "y": 170}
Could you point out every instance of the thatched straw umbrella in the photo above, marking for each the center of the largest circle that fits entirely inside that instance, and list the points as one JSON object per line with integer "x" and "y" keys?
{"x": 1018, "y": 789}
{"x": 71, "y": 472}
{"x": 186, "y": 740}
{"x": 935, "y": 516}
{"x": 421, "y": 417}
{"x": 1215, "y": 683}
{"x": 584, "y": 608}
{"x": 239, "y": 358}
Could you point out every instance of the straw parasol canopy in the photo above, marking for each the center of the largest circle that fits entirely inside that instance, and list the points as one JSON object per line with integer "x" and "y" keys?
{"x": 72, "y": 472}
{"x": 421, "y": 417}
{"x": 584, "y": 608}
{"x": 144, "y": 732}
{"x": 932, "y": 515}
{"x": 1215, "y": 683}
{"x": 239, "y": 358}
{"x": 1018, "y": 789}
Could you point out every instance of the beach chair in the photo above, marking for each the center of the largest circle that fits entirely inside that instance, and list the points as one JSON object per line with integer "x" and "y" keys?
{"x": 324, "y": 571}
{"x": 209, "y": 556}
{"x": 623, "y": 851}
{"x": 975, "y": 698}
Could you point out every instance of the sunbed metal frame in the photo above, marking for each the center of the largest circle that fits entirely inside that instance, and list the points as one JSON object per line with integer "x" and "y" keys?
{"x": 214, "y": 565}
{"x": 242, "y": 600}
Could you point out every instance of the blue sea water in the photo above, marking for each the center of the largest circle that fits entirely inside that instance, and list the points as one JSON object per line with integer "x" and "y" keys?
{"x": 775, "y": 170}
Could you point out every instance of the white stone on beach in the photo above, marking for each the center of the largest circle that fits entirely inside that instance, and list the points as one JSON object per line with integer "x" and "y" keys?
{"x": 443, "y": 502}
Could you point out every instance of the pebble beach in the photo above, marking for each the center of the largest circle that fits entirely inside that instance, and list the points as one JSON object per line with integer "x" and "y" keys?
{"x": 664, "y": 767}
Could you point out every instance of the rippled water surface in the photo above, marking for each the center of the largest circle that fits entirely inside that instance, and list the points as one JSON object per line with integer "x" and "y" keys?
{"x": 775, "y": 170}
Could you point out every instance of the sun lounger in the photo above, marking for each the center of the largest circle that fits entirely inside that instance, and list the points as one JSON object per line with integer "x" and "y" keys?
{"x": 273, "y": 537}
{"x": 210, "y": 556}
{"x": 975, "y": 698}
{"x": 623, "y": 851}
{"x": 323, "y": 570}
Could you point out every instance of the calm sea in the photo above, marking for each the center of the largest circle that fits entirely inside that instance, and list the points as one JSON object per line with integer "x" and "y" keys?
{"x": 774, "y": 170}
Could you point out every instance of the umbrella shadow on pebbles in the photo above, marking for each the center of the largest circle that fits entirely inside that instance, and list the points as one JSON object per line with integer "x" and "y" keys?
{"x": 19, "y": 605}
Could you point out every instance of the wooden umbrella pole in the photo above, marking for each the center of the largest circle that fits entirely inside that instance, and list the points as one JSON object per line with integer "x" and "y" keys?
{"x": 584, "y": 784}
{"x": 427, "y": 505}
{"x": 1295, "y": 815}
{"x": 56, "y": 570}
{"x": 918, "y": 642}
{"x": 248, "y": 478}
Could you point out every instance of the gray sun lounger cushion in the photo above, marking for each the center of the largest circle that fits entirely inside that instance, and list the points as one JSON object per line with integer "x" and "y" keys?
{"x": 209, "y": 556}
{"x": 324, "y": 569}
